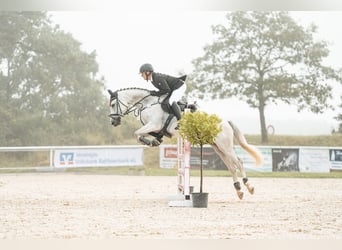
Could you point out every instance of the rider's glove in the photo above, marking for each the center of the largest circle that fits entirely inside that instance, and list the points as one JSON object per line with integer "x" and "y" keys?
{"x": 154, "y": 93}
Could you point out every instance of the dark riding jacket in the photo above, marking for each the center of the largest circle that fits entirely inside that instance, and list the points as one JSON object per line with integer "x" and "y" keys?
{"x": 165, "y": 83}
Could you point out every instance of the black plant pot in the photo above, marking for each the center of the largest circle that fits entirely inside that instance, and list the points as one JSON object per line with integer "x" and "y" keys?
{"x": 199, "y": 199}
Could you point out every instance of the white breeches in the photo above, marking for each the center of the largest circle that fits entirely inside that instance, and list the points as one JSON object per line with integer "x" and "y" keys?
{"x": 178, "y": 94}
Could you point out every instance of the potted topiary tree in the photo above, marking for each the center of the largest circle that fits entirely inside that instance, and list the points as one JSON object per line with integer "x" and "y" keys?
{"x": 199, "y": 129}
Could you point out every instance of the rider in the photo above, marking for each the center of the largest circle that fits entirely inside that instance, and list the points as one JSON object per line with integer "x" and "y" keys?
{"x": 172, "y": 86}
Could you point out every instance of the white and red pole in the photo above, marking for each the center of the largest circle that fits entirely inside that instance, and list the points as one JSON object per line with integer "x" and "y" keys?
{"x": 183, "y": 165}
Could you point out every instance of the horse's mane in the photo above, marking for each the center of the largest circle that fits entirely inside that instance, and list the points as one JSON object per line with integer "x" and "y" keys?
{"x": 133, "y": 88}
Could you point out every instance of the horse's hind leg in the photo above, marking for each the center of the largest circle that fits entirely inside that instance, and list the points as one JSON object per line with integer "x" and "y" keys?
{"x": 228, "y": 159}
{"x": 249, "y": 187}
{"x": 237, "y": 185}
{"x": 244, "y": 177}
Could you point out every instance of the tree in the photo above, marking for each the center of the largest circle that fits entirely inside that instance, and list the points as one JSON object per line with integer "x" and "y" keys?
{"x": 339, "y": 119}
{"x": 263, "y": 58}
{"x": 50, "y": 89}
{"x": 199, "y": 128}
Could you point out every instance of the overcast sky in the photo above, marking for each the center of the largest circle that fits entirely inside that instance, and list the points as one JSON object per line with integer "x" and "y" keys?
{"x": 170, "y": 40}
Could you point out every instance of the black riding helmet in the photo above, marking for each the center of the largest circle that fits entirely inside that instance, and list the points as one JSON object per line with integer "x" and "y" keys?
{"x": 146, "y": 68}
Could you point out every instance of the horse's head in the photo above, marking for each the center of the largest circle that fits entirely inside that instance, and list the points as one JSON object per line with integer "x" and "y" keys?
{"x": 115, "y": 109}
{"x": 125, "y": 101}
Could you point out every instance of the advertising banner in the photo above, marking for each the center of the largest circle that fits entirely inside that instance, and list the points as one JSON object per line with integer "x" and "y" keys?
{"x": 276, "y": 159}
{"x": 113, "y": 157}
{"x": 210, "y": 159}
{"x": 285, "y": 159}
{"x": 335, "y": 157}
{"x": 249, "y": 162}
{"x": 167, "y": 156}
{"x": 314, "y": 160}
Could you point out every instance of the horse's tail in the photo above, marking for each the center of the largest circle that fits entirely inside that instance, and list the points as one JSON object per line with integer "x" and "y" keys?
{"x": 240, "y": 138}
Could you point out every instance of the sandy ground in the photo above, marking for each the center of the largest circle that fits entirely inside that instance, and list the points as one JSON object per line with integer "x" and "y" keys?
{"x": 86, "y": 206}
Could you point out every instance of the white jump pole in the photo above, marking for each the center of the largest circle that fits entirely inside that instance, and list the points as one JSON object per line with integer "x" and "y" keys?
{"x": 186, "y": 167}
{"x": 183, "y": 165}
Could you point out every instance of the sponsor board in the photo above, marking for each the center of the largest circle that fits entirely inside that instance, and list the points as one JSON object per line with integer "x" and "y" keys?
{"x": 276, "y": 159}
{"x": 98, "y": 157}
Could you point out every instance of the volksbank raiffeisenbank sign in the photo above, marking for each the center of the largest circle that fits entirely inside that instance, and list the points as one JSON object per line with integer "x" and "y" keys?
{"x": 113, "y": 157}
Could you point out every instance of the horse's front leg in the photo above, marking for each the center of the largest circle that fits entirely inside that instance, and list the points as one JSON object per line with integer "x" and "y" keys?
{"x": 140, "y": 135}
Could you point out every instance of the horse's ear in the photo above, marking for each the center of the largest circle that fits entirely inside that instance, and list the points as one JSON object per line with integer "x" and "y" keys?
{"x": 110, "y": 92}
{"x": 183, "y": 78}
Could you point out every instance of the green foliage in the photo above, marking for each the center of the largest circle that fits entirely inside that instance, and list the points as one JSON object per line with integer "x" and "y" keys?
{"x": 50, "y": 90}
{"x": 199, "y": 128}
{"x": 264, "y": 58}
{"x": 339, "y": 118}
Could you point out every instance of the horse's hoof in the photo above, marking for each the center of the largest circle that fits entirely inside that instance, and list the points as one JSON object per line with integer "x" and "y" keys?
{"x": 251, "y": 190}
{"x": 240, "y": 194}
{"x": 155, "y": 143}
{"x": 144, "y": 141}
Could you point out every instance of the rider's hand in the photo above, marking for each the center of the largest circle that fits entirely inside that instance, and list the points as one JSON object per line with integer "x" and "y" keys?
{"x": 154, "y": 93}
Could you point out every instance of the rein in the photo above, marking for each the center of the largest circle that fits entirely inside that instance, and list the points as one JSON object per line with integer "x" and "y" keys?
{"x": 137, "y": 111}
{"x": 133, "y": 108}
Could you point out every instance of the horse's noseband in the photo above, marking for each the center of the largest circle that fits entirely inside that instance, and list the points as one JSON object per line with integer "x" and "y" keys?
{"x": 113, "y": 116}
{"x": 115, "y": 119}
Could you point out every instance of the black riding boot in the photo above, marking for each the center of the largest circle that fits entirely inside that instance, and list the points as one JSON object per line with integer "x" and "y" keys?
{"x": 176, "y": 111}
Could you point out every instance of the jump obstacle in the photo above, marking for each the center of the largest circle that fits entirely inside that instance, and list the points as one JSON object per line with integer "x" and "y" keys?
{"x": 182, "y": 199}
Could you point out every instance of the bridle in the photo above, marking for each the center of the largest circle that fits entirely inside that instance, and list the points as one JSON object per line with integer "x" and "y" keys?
{"x": 136, "y": 107}
{"x": 114, "y": 96}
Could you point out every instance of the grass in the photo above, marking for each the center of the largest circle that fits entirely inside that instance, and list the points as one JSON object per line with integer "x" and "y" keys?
{"x": 138, "y": 171}
{"x": 207, "y": 173}
{"x": 334, "y": 140}
{"x": 156, "y": 171}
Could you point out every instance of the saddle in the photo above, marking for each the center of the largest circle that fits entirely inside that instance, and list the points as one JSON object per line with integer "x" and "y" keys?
{"x": 182, "y": 105}
{"x": 185, "y": 105}
{"x": 168, "y": 109}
